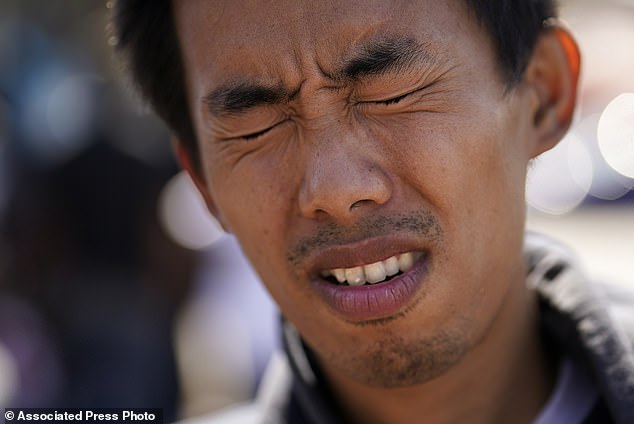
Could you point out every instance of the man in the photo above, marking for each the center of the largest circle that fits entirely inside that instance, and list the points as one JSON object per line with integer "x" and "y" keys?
{"x": 371, "y": 157}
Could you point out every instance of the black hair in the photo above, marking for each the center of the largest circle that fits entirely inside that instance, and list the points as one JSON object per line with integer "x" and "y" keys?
{"x": 514, "y": 26}
{"x": 145, "y": 36}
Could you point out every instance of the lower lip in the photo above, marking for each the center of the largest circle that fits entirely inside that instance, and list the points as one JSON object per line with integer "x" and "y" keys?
{"x": 376, "y": 301}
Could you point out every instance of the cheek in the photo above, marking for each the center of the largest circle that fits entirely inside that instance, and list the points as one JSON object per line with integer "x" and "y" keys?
{"x": 252, "y": 184}
{"x": 256, "y": 192}
{"x": 258, "y": 218}
{"x": 472, "y": 176}
{"x": 257, "y": 212}
{"x": 487, "y": 222}
{"x": 484, "y": 194}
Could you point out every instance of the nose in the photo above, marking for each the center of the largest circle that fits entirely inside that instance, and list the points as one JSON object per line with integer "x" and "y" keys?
{"x": 342, "y": 179}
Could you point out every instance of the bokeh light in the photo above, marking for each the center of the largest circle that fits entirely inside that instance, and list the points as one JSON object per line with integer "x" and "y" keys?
{"x": 71, "y": 108}
{"x": 184, "y": 216}
{"x": 9, "y": 373}
{"x": 58, "y": 114}
{"x": 560, "y": 179}
{"x": 607, "y": 184}
{"x": 616, "y": 134}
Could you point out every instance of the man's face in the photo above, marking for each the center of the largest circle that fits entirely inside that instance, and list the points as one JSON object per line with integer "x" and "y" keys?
{"x": 354, "y": 142}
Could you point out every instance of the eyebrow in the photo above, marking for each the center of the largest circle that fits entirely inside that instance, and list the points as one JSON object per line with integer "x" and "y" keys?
{"x": 376, "y": 57}
{"x": 234, "y": 98}
{"x": 385, "y": 55}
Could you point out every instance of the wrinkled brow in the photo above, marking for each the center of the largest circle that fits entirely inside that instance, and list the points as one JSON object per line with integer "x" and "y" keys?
{"x": 384, "y": 55}
{"x": 375, "y": 57}
{"x": 239, "y": 97}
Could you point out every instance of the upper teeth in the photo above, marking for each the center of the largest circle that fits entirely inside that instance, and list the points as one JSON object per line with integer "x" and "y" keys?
{"x": 373, "y": 273}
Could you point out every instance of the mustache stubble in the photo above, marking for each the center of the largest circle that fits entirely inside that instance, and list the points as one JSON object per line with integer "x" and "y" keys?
{"x": 423, "y": 224}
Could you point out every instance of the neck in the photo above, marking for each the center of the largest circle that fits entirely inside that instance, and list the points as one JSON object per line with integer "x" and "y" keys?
{"x": 505, "y": 377}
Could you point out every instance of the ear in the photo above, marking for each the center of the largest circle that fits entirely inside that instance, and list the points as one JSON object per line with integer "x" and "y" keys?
{"x": 552, "y": 75}
{"x": 195, "y": 174}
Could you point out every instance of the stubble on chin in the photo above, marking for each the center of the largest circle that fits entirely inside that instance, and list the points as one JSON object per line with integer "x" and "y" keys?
{"x": 395, "y": 361}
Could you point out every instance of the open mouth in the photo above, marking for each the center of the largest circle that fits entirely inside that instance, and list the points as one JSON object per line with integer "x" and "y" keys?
{"x": 375, "y": 273}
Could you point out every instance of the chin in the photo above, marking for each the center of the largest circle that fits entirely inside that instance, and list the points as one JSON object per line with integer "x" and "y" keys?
{"x": 395, "y": 361}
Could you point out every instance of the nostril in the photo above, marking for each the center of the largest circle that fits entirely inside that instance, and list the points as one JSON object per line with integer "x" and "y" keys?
{"x": 338, "y": 184}
{"x": 359, "y": 203}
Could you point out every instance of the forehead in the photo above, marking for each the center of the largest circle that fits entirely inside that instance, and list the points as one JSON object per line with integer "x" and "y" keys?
{"x": 266, "y": 39}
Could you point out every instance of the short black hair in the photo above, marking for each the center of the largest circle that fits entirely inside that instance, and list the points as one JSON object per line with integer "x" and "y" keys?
{"x": 145, "y": 36}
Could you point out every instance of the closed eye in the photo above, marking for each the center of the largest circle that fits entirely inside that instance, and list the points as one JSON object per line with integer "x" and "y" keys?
{"x": 393, "y": 100}
{"x": 255, "y": 135}
{"x": 397, "y": 99}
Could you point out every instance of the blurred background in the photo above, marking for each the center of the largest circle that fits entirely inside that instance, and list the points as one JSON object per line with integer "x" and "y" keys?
{"x": 116, "y": 287}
